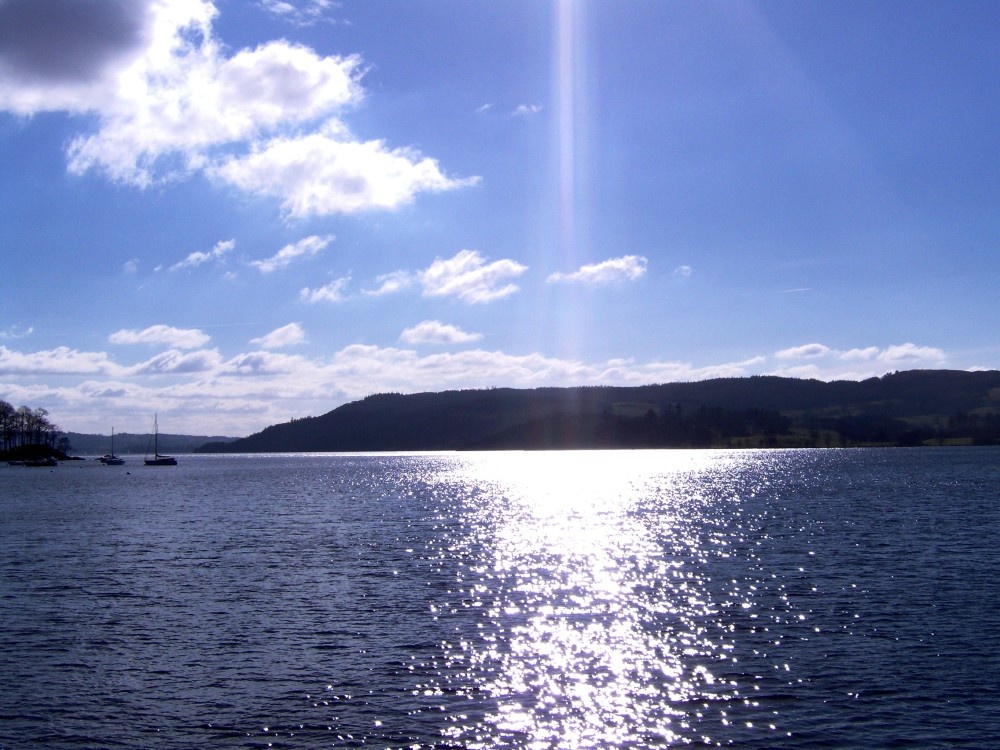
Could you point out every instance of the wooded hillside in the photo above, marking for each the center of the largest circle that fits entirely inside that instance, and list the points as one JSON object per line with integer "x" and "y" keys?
{"x": 904, "y": 408}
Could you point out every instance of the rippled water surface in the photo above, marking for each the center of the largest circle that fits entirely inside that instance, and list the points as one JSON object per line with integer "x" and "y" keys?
{"x": 763, "y": 599}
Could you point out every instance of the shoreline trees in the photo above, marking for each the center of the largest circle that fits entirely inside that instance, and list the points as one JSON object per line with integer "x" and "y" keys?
{"x": 23, "y": 426}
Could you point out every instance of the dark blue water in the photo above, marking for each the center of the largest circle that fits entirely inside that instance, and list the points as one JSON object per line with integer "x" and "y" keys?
{"x": 809, "y": 599}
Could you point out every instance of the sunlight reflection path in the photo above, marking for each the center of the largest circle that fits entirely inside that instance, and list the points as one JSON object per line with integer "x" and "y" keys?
{"x": 597, "y": 626}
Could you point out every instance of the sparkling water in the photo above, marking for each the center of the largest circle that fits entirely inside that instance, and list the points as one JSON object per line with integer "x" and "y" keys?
{"x": 612, "y": 599}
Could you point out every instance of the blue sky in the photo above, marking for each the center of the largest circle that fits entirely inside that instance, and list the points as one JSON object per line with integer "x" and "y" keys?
{"x": 234, "y": 213}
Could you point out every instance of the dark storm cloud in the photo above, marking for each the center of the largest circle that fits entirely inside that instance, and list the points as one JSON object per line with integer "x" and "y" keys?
{"x": 68, "y": 40}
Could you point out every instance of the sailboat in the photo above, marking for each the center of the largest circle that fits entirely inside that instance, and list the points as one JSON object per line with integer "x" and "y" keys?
{"x": 157, "y": 459}
{"x": 110, "y": 459}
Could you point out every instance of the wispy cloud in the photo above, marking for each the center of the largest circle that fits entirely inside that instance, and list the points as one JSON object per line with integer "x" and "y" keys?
{"x": 305, "y": 247}
{"x": 170, "y": 102}
{"x": 683, "y": 272}
{"x": 198, "y": 257}
{"x": 436, "y": 332}
{"x": 626, "y": 268}
{"x": 302, "y": 13}
{"x": 178, "y": 338}
{"x": 288, "y": 335}
{"x": 468, "y": 276}
{"x": 526, "y": 110}
{"x": 391, "y": 283}
{"x": 16, "y": 332}
{"x": 332, "y": 292}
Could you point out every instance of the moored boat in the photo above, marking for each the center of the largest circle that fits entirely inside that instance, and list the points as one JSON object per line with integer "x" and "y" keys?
{"x": 47, "y": 461}
{"x": 110, "y": 459}
{"x": 158, "y": 459}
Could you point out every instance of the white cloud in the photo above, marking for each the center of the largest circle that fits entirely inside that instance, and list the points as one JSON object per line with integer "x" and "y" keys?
{"x": 322, "y": 174}
{"x": 373, "y": 369}
{"x": 265, "y": 363}
{"x": 174, "y": 110}
{"x": 332, "y": 292}
{"x": 131, "y": 267}
{"x": 179, "y": 338}
{"x": 288, "y": 335}
{"x": 170, "y": 101}
{"x": 626, "y": 268}
{"x": 825, "y": 363}
{"x": 869, "y": 352}
{"x": 910, "y": 354}
{"x": 469, "y": 277}
{"x": 198, "y": 257}
{"x": 630, "y": 372}
{"x": 59, "y": 361}
{"x": 206, "y": 393}
{"x": 804, "y": 351}
{"x": 177, "y": 362}
{"x": 307, "y": 246}
{"x": 436, "y": 332}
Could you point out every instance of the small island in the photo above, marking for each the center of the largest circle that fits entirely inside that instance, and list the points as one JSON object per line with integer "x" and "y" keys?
{"x": 29, "y": 437}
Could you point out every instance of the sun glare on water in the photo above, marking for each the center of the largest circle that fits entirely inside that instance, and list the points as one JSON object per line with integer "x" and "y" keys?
{"x": 593, "y": 631}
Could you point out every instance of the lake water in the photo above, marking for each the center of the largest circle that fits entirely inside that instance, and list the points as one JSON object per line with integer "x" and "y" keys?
{"x": 766, "y": 599}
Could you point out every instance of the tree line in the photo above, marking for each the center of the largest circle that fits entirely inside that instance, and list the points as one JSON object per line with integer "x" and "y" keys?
{"x": 904, "y": 408}
{"x": 23, "y": 426}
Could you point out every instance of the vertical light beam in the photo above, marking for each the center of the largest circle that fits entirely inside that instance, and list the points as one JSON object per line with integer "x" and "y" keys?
{"x": 569, "y": 154}
{"x": 570, "y": 138}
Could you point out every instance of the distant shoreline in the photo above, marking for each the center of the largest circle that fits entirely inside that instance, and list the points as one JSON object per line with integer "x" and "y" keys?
{"x": 907, "y": 409}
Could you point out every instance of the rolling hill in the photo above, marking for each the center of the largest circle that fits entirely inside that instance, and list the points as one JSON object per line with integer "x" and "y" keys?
{"x": 906, "y": 408}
